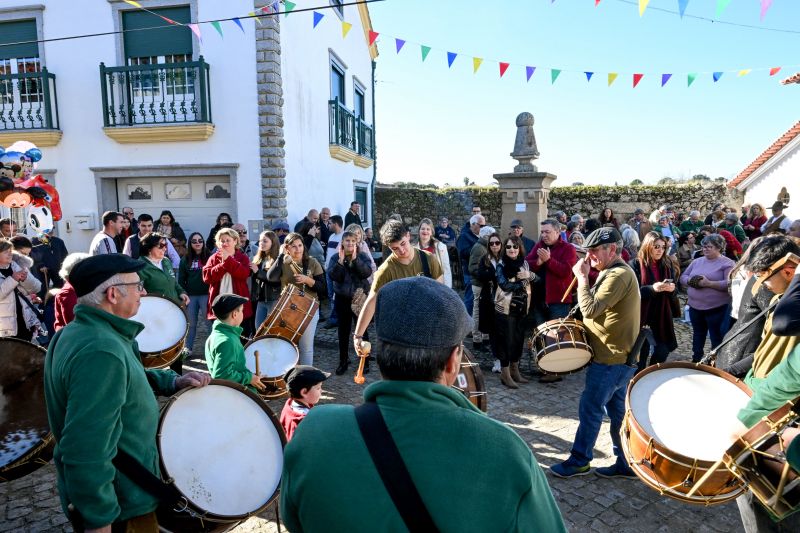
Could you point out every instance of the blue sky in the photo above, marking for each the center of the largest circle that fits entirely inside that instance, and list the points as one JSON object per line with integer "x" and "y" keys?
{"x": 438, "y": 125}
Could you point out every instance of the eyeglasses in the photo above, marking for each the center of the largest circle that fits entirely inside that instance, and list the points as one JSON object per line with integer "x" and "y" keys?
{"x": 512, "y": 247}
{"x": 138, "y": 284}
{"x": 162, "y": 245}
{"x": 197, "y": 241}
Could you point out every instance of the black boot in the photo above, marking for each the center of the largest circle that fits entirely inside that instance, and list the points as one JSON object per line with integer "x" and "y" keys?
{"x": 342, "y": 368}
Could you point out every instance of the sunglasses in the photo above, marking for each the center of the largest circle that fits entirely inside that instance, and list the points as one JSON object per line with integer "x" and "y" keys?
{"x": 495, "y": 243}
{"x": 658, "y": 247}
{"x": 197, "y": 241}
{"x": 512, "y": 247}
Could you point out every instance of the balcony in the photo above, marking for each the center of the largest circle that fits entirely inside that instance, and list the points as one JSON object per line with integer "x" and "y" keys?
{"x": 350, "y": 138}
{"x": 29, "y": 108}
{"x": 157, "y": 103}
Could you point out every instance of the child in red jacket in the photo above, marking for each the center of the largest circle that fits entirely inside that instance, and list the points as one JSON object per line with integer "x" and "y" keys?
{"x": 305, "y": 387}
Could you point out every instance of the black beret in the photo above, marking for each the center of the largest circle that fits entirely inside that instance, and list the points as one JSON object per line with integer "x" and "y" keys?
{"x": 303, "y": 377}
{"x": 88, "y": 274}
{"x": 602, "y": 236}
{"x": 225, "y": 303}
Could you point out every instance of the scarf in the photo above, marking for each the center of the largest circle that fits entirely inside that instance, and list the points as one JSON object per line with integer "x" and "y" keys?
{"x": 511, "y": 267}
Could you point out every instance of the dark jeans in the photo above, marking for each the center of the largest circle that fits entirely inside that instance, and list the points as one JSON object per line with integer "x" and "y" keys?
{"x": 469, "y": 298}
{"x": 660, "y": 353}
{"x": 605, "y": 387}
{"x": 510, "y": 333}
{"x": 756, "y": 519}
{"x": 346, "y": 321}
{"x": 710, "y": 322}
{"x": 544, "y": 312}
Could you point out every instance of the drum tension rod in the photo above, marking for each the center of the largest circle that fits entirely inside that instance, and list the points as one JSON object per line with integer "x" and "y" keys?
{"x": 293, "y": 307}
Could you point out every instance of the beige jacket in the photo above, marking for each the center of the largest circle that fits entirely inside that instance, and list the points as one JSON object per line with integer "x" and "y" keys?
{"x": 8, "y": 307}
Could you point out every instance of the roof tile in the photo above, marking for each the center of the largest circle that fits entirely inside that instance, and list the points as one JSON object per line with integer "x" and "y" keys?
{"x": 765, "y": 156}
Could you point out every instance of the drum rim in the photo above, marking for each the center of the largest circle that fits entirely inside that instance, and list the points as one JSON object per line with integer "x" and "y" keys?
{"x": 480, "y": 382}
{"x": 204, "y": 513}
{"x": 544, "y": 325}
{"x": 760, "y": 430}
{"x": 169, "y": 351}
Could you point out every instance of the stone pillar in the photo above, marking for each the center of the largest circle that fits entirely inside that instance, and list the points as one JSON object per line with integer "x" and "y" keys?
{"x": 270, "y": 116}
{"x": 525, "y": 192}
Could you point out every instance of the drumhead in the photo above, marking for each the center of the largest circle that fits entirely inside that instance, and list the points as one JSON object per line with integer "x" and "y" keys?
{"x": 565, "y": 360}
{"x": 276, "y": 356}
{"x": 687, "y": 410}
{"x": 164, "y": 322}
{"x": 222, "y": 449}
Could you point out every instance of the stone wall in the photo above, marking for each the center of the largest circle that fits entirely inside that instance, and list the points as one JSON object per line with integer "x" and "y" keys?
{"x": 456, "y": 204}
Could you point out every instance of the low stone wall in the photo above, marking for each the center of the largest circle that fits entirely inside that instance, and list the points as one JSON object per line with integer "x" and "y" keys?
{"x": 456, "y": 204}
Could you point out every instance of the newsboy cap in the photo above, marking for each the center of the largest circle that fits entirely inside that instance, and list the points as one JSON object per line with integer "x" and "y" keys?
{"x": 605, "y": 235}
{"x": 227, "y": 302}
{"x": 88, "y": 274}
{"x": 407, "y": 307}
{"x": 303, "y": 377}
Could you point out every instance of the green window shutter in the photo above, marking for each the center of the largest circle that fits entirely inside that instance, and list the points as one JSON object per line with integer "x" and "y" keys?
{"x": 18, "y": 31}
{"x": 162, "y": 41}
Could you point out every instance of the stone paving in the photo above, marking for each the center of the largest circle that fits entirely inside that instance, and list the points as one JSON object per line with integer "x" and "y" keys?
{"x": 544, "y": 415}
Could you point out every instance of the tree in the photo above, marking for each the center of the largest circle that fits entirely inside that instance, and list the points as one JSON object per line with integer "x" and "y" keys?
{"x": 700, "y": 177}
{"x": 636, "y": 182}
{"x": 666, "y": 180}
{"x": 467, "y": 182}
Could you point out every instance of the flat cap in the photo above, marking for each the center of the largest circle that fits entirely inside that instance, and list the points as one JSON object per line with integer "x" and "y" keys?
{"x": 226, "y": 302}
{"x": 88, "y": 274}
{"x": 604, "y": 235}
{"x": 407, "y": 307}
{"x": 639, "y": 211}
{"x": 517, "y": 223}
{"x": 303, "y": 377}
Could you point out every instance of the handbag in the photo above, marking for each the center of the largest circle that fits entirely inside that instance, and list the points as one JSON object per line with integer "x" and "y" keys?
{"x": 358, "y": 300}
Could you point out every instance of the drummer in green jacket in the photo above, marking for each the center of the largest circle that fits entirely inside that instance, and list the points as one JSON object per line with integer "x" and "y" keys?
{"x": 224, "y": 351}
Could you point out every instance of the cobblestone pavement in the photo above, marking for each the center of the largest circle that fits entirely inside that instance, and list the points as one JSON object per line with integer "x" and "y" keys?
{"x": 544, "y": 415}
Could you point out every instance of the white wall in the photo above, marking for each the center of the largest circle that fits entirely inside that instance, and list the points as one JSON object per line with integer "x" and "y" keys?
{"x": 783, "y": 173}
{"x": 76, "y": 66}
{"x": 313, "y": 178}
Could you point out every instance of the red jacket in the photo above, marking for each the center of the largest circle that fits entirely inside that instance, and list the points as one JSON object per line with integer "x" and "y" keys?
{"x": 290, "y": 418}
{"x": 238, "y": 266}
{"x": 64, "y": 306}
{"x": 733, "y": 249}
{"x": 558, "y": 269}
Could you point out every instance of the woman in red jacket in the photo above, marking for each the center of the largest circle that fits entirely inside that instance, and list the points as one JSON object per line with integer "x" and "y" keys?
{"x": 227, "y": 270}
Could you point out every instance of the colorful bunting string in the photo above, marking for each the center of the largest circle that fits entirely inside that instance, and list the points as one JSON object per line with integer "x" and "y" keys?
{"x": 476, "y": 64}
{"x": 346, "y": 27}
{"x": 217, "y": 26}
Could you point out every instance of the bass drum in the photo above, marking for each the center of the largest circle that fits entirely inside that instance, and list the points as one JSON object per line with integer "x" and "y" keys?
{"x": 25, "y": 439}
{"x": 469, "y": 382}
{"x": 221, "y": 447}
{"x": 164, "y": 334}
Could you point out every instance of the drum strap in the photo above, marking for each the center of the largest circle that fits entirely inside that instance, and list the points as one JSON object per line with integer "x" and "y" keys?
{"x": 146, "y": 480}
{"x": 426, "y": 269}
{"x": 392, "y": 469}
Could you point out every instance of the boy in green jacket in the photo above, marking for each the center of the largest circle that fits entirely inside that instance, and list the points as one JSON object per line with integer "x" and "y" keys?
{"x": 224, "y": 351}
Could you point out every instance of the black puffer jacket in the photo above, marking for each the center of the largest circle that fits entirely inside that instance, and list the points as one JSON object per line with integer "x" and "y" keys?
{"x": 350, "y": 275}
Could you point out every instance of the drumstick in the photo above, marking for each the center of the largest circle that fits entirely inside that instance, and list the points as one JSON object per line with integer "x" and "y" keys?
{"x": 569, "y": 289}
{"x": 258, "y": 370}
{"x": 705, "y": 477}
{"x": 362, "y": 351}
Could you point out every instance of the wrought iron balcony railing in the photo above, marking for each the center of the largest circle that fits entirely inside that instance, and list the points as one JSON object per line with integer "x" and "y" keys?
{"x": 163, "y": 93}
{"x": 28, "y": 101}
{"x": 349, "y": 131}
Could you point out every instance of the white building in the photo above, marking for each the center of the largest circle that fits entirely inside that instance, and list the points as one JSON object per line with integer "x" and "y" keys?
{"x": 158, "y": 119}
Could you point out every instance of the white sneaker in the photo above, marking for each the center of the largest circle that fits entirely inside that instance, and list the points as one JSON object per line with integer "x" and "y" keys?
{"x": 496, "y": 367}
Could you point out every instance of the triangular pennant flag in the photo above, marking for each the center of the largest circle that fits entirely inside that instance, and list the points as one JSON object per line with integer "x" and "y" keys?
{"x": 643, "y": 6}
{"x": 399, "y": 44}
{"x": 636, "y": 79}
{"x": 425, "y": 51}
{"x": 218, "y": 27}
{"x": 169, "y": 20}
{"x": 276, "y": 6}
{"x": 554, "y": 72}
{"x": 253, "y": 15}
{"x": 596, "y": 3}
{"x": 612, "y": 76}
{"x": 317, "y": 17}
{"x": 690, "y": 79}
{"x": 682, "y": 6}
{"x": 529, "y": 72}
{"x": 665, "y": 78}
{"x": 451, "y": 56}
{"x": 238, "y": 23}
{"x": 721, "y": 5}
{"x": 346, "y": 27}
{"x": 372, "y": 36}
{"x": 476, "y": 64}
{"x": 288, "y": 7}
{"x": 765, "y": 5}
{"x": 196, "y": 30}
{"x": 774, "y": 70}
{"x": 589, "y": 75}
{"x": 134, "y": 4}
{"x": 716, "y": 76}
{"x": 744, "y": 72}
{"x": 503, "y": 68}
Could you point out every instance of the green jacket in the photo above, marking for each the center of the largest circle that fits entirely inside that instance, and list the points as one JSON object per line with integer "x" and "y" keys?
{"x": 736, "y": 229}
{"x": 161, "y": 280}
{"x": 690, "y": 225}
{"x": 99, "y": 399}
{"x": 225, "y": 354}
{"x": 472, "y": 472}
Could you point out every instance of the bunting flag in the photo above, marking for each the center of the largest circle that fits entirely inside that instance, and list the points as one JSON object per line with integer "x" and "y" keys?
{"x": 276, "y": 7}
{"x": 596, "y": 3}
{"x": 765, "y": 5}
{"x": 589, "y": 75}
{"x": 425, "y": 51}
{"x": 218, "y": 27}
{"x": 253, "y": 16}
{"x": 372, "y": 36}
{"x": 774, "y": 70}
{"x": 612, "y": 76}
{"x": 643, "y": 6}
{"x": 134, "y": 4}
{"x": 554, "y": 72}
{"x": 721, "y": 5}
{"x": 636, "y": 79}
{"x": 503, "y": 68}
{"x": 744, "y": 72}
{"x": 196, "y": 30}
{"x": 690, "y": 79}
{"x": 716, "y": 76}
{"x": 346, "y": 27}
{"x": 529, "y": 72}
{"x": 399, "y": 44}
{"x": 476, "y": 64}
{"x": 288, "y": 7}
{"x": 665, "y": 78}
{"x": 238, "y": 23}
{"x": 451, "y": 56}
{"x": 317, "y": 17}
{"x": 682, "y": 6}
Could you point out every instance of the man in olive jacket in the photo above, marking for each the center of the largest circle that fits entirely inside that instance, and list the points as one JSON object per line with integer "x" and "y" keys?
{"x": 100, "y": 398}
{"x": 472, "y": 473}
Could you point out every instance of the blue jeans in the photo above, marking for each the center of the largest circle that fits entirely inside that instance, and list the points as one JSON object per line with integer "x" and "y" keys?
{"x": 262, "y": 311}
{"x": 198, "y": 305}
{"x": 306, "y": 343}
{"x": 709, "y": 322}
{"x": 558, "y": 310}
{"x": 605, "y": 387}
{"x": 469, "y": 298}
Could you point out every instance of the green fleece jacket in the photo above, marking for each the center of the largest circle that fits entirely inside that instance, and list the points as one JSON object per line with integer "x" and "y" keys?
{"x": 99, "y": 399}
{"x": 472, "y": 472}
{"x": 161, "y": 280}
{"x": 225, "y": 354}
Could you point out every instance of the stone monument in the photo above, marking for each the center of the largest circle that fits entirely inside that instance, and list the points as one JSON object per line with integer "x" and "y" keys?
{"x": 525, "y": 191}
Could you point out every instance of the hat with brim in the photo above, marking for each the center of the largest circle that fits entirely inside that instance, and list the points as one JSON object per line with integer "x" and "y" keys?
{"x": 788, "y": 259}
{"x": 778, "y": 206}
{"x": 601, "y": 236}
{"x": 88, "y": 274}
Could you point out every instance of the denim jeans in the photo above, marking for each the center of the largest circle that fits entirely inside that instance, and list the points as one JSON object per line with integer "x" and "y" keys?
{"x": 262, "y": 311}
{"x": 605, "y": 387}
{"x": 708, "y": 322}
{"x": 476, "y": 314}
{"x": 558, "y": 310}
{"x": 198, "y": 305}
{"x": 306, "y": 343}
{"x": 468, "y": 296}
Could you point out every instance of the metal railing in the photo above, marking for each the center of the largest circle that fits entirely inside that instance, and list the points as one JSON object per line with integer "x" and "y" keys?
{"x": 163, "y": 93}
{"x": 28, "y": 101}
{"x": 349, "y": 131}
{"x": 366, "y": 140}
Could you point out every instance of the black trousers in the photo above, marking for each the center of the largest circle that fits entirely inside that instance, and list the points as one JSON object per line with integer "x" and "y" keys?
{"x": 510, "y": 332}
{"x": 347, "y": 321}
